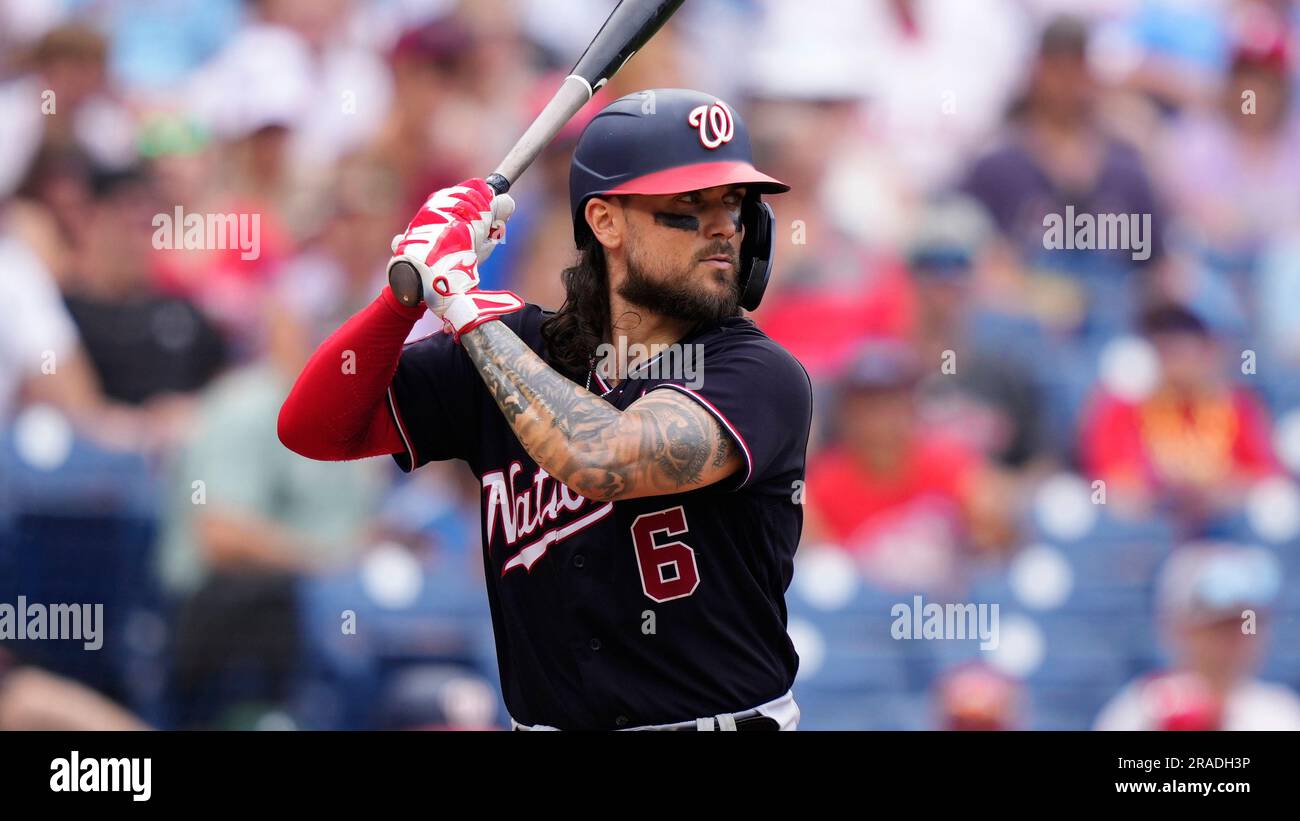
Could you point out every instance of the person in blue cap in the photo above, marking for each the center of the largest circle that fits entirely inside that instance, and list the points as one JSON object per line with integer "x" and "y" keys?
{"x": 1215, "y": 607}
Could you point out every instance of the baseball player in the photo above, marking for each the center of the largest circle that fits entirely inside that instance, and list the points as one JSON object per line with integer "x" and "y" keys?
{"x": 639, "y": 524}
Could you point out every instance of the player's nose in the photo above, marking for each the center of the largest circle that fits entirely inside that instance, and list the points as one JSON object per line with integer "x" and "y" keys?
{"x": 720, "y": 223}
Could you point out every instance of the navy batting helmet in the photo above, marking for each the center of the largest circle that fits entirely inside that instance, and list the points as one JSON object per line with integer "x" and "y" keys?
{"x": 671, "y": 140}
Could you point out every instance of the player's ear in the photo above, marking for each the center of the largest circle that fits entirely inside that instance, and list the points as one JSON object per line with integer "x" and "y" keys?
{"x": 607, "y": 219}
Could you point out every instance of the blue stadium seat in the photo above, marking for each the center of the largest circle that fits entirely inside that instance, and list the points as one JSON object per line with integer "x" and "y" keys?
{"x": 1113, "y": 600}
{"x": 84, "y": 532}
{"x": 343, "y": 675}
{"x": 1282, "y": 659}
{"x": 855, "y": 670}
{"x": 1079, "y": 653}
{"x": 93, "y": 559}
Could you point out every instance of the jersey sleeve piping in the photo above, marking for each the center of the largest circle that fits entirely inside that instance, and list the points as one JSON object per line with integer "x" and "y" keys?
{"x": 410, "y": 457}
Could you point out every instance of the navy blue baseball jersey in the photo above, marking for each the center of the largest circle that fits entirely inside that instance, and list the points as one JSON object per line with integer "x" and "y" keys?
{"x": 645, "y": 611}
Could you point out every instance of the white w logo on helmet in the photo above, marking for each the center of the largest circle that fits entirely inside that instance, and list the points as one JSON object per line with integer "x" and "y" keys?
{"x": 714, "y": 122}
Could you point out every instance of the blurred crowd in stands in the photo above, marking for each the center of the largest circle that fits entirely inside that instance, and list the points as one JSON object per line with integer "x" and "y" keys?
{"x": 1103, "y": 441}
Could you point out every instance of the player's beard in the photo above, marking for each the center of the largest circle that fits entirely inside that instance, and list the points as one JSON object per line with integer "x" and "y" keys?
{"x": 676, "y": 297}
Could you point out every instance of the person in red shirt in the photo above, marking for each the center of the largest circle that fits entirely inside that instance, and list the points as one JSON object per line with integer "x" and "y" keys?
{"x": 907, "y": 501}
{"x": 1194, "y": 443}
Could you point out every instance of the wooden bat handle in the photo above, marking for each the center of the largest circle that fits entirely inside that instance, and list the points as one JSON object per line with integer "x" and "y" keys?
{"x": 406, "y": 285}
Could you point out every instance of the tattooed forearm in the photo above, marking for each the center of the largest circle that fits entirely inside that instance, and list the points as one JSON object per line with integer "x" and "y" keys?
{"x": 536, "y": 401}
{"x": 662, "y": 444}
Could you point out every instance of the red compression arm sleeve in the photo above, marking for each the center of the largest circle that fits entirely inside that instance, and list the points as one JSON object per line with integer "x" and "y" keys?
{"x": 335, "y": 412}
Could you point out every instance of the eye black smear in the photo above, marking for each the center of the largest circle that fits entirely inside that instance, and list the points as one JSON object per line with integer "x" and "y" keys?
{"x": 682, "y": 222}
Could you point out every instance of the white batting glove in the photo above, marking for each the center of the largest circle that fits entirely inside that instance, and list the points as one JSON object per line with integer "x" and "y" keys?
{"x": 455, "y": 230}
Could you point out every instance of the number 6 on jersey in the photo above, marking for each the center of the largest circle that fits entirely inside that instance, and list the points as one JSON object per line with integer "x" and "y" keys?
{"x": 667, "y": 570}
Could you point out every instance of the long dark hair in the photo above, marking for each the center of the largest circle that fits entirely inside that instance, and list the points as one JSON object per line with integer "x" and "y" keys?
{"x": 573, "y": 333}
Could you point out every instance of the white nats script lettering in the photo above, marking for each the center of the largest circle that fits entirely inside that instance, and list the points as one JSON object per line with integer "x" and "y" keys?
{"x": 521, "y": 514}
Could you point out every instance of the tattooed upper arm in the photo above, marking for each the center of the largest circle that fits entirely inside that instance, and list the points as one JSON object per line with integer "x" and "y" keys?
{"x": 664, "y": 443}
{"x": 681, "y": 446}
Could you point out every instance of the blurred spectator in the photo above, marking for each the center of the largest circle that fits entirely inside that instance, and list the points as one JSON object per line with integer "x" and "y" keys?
{"x": 907, "y": 500}
{"x": 123, "y": 320}
{"x": 341, "y": 270}
{"x": 42, "y": 360}
{"x": 430, "y": 64}
{"x": 1194, "y": 443}
{"x": 47, "y": 211}
{"x": 295, "y": 64}
{"x": 285, "y": 99}
{"x": 977, "y": 697}
{"x": 506, "y": 63}
{"x": 834, "y": 257}
{"x": 1205, "y": 592}
{"x": 936, "y": 74}
{"x": 988, "y": 396}
{"x": 1056, "y": 152}
{"x": 469, "y": 65}
{"x": 61, "y": 101}
{"x": 188, "y": 170}
{"x": 1183, "y": 48}
{"x": 35, "y": 328}
{"x": 1246, "y": 152}
{"x": 242, "y": 187}
{"x": 246, "y": 518}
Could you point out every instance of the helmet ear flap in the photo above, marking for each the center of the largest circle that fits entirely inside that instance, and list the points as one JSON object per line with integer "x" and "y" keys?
{"x": 756, "y": 250}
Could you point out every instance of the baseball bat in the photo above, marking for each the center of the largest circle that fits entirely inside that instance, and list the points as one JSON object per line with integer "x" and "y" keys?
{"x": 629, "y": 27}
